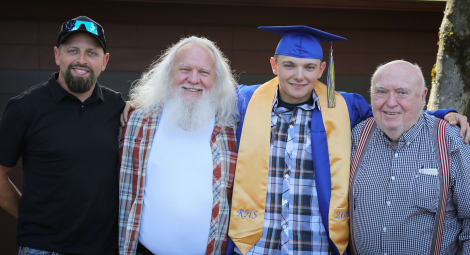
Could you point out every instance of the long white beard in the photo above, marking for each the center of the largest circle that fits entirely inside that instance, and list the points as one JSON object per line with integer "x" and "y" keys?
{"x": 190, "y": 116}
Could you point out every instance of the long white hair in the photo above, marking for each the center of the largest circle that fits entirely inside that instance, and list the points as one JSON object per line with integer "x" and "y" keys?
{"x": 152, "y": 90}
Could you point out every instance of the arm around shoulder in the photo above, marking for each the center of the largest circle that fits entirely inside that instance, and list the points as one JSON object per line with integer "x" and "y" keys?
{"x": 358, "y": 107}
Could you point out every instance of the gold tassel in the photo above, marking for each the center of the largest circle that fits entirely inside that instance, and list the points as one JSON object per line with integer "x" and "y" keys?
{"x": 331, "y": 80}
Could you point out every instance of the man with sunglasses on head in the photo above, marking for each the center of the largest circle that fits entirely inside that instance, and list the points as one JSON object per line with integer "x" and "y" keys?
{"x": 65, "y": 130}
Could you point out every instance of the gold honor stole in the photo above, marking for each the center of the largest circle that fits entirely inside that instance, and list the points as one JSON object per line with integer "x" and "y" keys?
{"x": 252, "y": 170}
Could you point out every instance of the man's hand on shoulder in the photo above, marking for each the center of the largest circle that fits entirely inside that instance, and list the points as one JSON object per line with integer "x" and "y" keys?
{"x": 461, "y": 120}
{"x": 130, "y": 105}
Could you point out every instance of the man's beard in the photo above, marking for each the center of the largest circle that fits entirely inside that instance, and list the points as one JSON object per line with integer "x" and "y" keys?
{"x": 190, "y": 116}
{"x": 79, "y": 84}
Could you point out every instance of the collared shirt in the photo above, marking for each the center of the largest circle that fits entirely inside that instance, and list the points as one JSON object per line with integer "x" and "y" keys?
{"x": 136, "y": 142}
{"x": 395, "y": 192}
{"x": 291, "y": 165}
{"x": 69, "y": 152}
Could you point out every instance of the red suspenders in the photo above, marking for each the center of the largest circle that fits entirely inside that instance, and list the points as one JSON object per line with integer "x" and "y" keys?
{"x": 445, "y": 179}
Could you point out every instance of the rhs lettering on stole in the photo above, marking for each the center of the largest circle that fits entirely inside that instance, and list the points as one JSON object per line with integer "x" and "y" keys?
{"x": 247, "y": 213}
{"x": 341, "y": 213}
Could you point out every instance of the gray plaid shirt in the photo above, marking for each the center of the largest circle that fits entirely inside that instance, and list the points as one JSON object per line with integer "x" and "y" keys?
{"x": 395, "y": 193}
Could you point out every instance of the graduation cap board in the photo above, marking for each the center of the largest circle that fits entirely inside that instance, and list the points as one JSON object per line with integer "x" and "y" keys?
{"x": 304, "y": 42}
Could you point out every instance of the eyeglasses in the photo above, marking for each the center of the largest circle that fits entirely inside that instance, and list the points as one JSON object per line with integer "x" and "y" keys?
{"x": 73, "y": 25}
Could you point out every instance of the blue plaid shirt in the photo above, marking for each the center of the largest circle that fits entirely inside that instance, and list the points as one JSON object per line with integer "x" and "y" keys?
{"x": 291, "y": 164}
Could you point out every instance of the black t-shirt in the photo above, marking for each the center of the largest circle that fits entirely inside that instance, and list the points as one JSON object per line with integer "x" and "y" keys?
{"x": 70, "y": 163}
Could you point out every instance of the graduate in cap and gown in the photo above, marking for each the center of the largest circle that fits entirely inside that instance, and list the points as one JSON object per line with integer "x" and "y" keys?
{"x": 292, "y": 177}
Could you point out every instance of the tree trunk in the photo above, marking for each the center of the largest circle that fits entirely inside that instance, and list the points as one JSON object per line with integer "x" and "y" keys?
{"x": 451, "y": 73}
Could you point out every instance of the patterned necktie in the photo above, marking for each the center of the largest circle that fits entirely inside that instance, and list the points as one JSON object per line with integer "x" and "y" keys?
{"x": 285, "y": 213}
{"x": 286, "y": 230}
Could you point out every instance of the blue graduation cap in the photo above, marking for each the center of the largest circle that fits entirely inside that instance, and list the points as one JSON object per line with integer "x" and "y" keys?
{"x": 301, "y": 41}
{"x": 304, "y": 42}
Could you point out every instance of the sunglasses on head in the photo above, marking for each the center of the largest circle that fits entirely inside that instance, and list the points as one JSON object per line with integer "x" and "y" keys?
{"x": 73, "y": 25}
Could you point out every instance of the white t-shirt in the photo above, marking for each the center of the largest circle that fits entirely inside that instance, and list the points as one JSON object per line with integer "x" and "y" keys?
{"x": 177, "y": 201}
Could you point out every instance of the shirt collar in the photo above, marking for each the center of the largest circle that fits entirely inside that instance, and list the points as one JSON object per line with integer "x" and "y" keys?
{"x": 305, "y": 107}
{"x": 59, "y": 93}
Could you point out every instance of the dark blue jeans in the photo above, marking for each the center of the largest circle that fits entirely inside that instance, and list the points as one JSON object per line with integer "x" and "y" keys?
{"x": 31, "y": 251}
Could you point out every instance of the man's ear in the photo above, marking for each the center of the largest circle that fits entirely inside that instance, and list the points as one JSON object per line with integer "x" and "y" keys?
{"x": 322, "y": 68}
{"x": 423, "y": 97}
{"x": 105, "y": 61}
{"x": 273, "y": 63}
{"x": 56, "y": 55}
